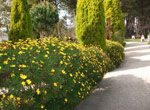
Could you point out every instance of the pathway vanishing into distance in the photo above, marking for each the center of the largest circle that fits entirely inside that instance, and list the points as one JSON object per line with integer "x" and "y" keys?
{"x": 126, "y": 88}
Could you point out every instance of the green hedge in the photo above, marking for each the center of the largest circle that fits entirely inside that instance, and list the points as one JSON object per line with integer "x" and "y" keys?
{"x": 115, "y": 52}
{"x": 49, "y": 74}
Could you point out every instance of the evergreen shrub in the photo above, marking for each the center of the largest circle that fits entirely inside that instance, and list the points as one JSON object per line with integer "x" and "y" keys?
{"x": 113, "y": 12}
{"x": 90, "y": 23}
{"x": 20, "y": 24}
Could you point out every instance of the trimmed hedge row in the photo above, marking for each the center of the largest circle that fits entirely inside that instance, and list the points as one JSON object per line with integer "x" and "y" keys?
{"x": 115, "y": 52}
{"x": 49, "y": 74}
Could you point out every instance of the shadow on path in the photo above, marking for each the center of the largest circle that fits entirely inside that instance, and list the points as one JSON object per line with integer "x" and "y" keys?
{"x": 126, "y": 88}
{"x": 124, "y": 92}
{"x": 139, "y": 57}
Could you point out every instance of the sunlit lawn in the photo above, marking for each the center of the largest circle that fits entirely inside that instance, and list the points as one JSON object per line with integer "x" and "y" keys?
{"x": 133, "y": 40}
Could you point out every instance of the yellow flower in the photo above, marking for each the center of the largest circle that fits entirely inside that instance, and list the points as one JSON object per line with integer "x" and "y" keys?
{"x": 74, "y": 81}
{"x": 66, "y": 100}
{"x": 23, "y": 83}
{"x": 13, "y": 58}
{"x": 6, "y": 62}
{"x": 12, "y": 66}
{"x": 46, "y": 56}
{"x": 55, "y": 84}
{"x": 1, "y": 54}
{"x": 52, "y": 70}
{"x": 11, "y": 96}
{"x": 5, "y": 53}
{"x": 12, "y": 75}
{"x": 20, "y": 52}
{"x": 83, "y": 85}
{"x": 79, "y": 93}
{"x": 82, "y": 97}
{"x": 0, "y": 67}
{"x": 33, "y": 61}
{"x": 53, "y": 45}
{"x": 42, "y": 106}
{"x": 24, "y": 66}
{"x": 41, "y": 61}
{"x": 18, "y": 98}
{"x": 45, "y": 92}
{"x": 25, "y": 101}
{"x": 4, "y": 95}
{"x": 63, "y": 72}
{"x": 60, "y": 87}
{"x": 38, "y": 51}
{"x": 28, "y": 81}
{"x": 47, "y": 52}
{"x": 38, "y": 91}
{"x": 23, "y": 76}
{"x": 70, "y": 75}
{"x": 61, "y": 62}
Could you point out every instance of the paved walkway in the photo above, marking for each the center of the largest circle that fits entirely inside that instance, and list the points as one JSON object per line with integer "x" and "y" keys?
{"x": 126, "y": 88}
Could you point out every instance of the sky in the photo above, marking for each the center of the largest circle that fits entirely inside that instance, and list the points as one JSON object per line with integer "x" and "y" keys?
{"x": 62, "y": 13}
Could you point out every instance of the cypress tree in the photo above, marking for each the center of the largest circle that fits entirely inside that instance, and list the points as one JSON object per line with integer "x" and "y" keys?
{"x": 90, "y": 23}
{"x": 20, "y": 24}
{"x": 113, "y": 12}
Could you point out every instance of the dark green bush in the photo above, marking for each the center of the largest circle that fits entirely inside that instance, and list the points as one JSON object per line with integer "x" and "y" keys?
{"x": 115, "y": 51}
{"x": 49, "y": 74}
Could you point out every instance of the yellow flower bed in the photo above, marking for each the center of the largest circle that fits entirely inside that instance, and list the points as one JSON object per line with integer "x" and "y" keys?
{"x": 115, "y": 52}
{"x": 49, "y": 74}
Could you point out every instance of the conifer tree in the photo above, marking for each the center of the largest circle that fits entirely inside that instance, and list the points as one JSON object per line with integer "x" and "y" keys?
{"x": 20, "y": 24}
{"x": 90, "y": 23}
{"x": 113, "y": 12}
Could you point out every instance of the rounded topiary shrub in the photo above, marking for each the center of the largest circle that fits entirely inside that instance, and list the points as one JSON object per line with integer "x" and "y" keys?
{"x": 115, "y": 51}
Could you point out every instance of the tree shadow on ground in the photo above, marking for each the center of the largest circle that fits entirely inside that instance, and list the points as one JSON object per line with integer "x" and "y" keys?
{"x": 136, "y": 46}
{"x": 138, "y": 58}
{"x": 125, "y": 92}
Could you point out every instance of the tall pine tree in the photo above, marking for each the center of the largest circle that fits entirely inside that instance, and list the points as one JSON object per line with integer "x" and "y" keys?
{"x": 20, "y": 24}
{"x": 114, "y": 16}
{"x": 90, "y": 23}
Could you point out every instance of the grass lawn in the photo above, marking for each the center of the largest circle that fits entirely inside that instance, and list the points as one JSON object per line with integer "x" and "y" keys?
{"x": 133, "y": 40}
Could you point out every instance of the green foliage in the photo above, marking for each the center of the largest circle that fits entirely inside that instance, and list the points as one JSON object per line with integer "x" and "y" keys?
{"x": 115, "y": 52}
{"x": 44, "y": 17}
{"x": 21, "y": 24}
{"x": 90, "y": 23}
{"x": 113, "y": 12}
{"x": 49, "y": 74}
